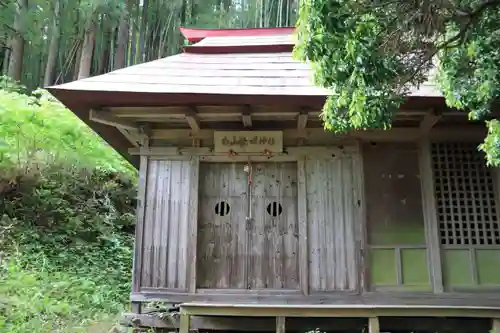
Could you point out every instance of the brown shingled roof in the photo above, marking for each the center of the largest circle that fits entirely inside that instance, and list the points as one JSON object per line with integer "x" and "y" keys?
{"x": 251, "y": 70}
{"x": 214, "y": 74}
{"x": 233, "y": 74}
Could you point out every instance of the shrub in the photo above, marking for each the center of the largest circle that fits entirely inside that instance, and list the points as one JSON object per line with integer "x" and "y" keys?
{"x": 67, "y": 204}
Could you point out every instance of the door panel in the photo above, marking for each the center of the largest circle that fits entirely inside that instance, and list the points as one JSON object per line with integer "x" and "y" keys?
{"x": 273, "y": 231}
{"x": 246, "y": 248}
{"x": 222, "y": 237}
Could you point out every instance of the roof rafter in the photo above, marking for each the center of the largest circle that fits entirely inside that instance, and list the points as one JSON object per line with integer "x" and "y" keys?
{"x": 247, "y": 116}
{"x": 302, "y": 124}
{"x": 107, "y": 118}
{"x": 192, "y": 119}
{"x": 429, "y": 121}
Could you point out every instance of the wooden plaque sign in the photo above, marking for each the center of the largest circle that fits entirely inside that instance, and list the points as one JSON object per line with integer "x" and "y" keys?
{"x": 248, "y": 141}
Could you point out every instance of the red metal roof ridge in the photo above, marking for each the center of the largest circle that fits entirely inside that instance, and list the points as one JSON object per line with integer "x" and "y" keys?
{"x": 226, "y": 49}
{"x": 194, "y": 35}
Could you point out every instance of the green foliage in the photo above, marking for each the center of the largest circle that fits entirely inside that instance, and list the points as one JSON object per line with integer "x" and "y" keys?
{"x": 38, "y": 128}
{"x": 369, "y": 56}
{"x": 67, "y": 204}
{"x": 9, "y": 85}
{"x": 37, "y": 296}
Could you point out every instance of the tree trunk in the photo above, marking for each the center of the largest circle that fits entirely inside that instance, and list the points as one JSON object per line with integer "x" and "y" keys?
{"x": 123, "y": 37}
{"x": 5, "y": 64}
{"x": 78, "y": 57}
{"x": 102, "y": 65}
{"x": 15, "y": 70}
{"x": 134, "y": 18}
{"x": 50, "y": 67}
{"x": 142, "y": 31}
{"x": 87, "y": 50}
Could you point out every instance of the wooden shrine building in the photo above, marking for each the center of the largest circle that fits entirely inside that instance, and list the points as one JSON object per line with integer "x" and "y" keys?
{"x": 252, "y": 218}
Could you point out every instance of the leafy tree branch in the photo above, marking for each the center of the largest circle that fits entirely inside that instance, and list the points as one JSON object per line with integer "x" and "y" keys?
{"x": 369, "y": 55}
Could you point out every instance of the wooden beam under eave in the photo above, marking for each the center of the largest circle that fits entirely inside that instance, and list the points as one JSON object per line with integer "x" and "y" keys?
{"x": 430, "y": 120}
{"x": 217, "y": 112}
{"x": 464, "y": 133}
{"x": 246, "y": 116}
{"x": 301, "y": 126}
{"x": 106, "y": 118}
{"x": 131, "y": 137}
{"x": 159, "y": 111}
{"x": 247, "y": 119}
{"x": 302, "y": 121}
{"x": 193, "y": 120}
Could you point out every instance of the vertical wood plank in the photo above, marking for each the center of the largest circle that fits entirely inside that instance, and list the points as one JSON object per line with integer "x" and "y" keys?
{"x": 149, "y": 224}
{"x": 280, "y": 325}
{"x": 362, "y": 225}
{"x": 176, "y": 196}
{"x": 495, "y": 172}
{"x": 350, "y": 224}
{"x": 399, "y": 266}
{"x": 373, "y": 325}
{"x": 473, "y": 266}
{"x": 336, "y": 241}
{"x": 429, "y": 207}
{"x": 302, "y": 216}
{"x": 139, "y": 227}
{"x": 193, "y": 224}
{"x": 185, "y": 207}
{"x": 313, "y": 219}
{"x": 159, "y": 238}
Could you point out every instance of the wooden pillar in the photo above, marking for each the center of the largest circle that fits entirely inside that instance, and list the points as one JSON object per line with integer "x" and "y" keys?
{"x": 193, "y": 224}
{"x": 430, "y": 219}
{"x": 136, "y": 307}
{"x": 185, "y": 323}
{"x": 496, "y": 186}
{"x": 361, "y": 225}
{"x": 139, "y": 228}
{"x": 302, "y": 214}
{"x": 373, "y": 325}
{"x": 280, "y": 325}
{"x": 495, "y": 325}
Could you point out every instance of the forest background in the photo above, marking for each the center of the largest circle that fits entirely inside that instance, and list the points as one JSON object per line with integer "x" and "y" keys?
{"x": 67, "y": 199}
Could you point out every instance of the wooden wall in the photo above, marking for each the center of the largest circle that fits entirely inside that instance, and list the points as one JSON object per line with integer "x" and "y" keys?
{"x": 466, "y": 194}
{"x": 167, "y": 213}
{"x": 333, "y": 264}
{"x": 299, "y": 226}
{"x": 395, "y": 222}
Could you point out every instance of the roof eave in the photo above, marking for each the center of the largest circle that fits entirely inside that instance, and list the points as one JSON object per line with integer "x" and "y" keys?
{"x": 110, "y": 134}
{"x": 88, "y": 99}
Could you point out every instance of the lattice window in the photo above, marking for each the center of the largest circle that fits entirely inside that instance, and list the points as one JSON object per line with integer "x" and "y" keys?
{"x": 465, "y": 196}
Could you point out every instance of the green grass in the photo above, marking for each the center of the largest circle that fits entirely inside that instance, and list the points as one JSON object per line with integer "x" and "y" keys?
{"x": 40, "y": 129}
{"x": 34, "y": 298}
{"x": 67, "y": 204}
